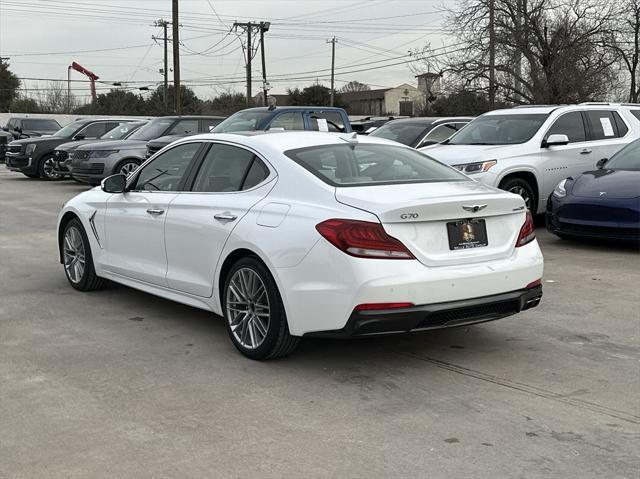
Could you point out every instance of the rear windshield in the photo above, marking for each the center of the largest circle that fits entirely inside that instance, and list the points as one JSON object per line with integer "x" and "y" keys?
{"x": 44, "y": 125}
{"x": 371, "y": 164}
{"x": 242, "y": 121}
{"x": 499, "y": 130}
{"x": 402, "y": 132}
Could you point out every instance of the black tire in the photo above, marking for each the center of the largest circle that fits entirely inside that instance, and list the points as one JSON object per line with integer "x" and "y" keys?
{"x": 277, "y": 341}
{"x": 88, "y": 280}
{"x": 31, "y": 175}
{"x": 44, "y": 169}
{"x": 125, "y": 165}
{"x": 522, "y": 188}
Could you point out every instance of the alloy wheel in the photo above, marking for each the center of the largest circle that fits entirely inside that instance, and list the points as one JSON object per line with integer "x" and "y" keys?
{"x": 247, "y": 306}
{"x": 128, "y": 168}
{"x": 49, "y": 169}
{"x": 74, "y": 255}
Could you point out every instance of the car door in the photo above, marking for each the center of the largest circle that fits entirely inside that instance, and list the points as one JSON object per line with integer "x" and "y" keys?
{"x": 560, "y": 161}
{"x": 605, "y": 128}
{"x": 229, "y": 181}
{"x": 134, "y": 220}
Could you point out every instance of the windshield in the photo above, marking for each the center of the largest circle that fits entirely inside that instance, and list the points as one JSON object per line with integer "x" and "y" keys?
{"x": 371, "y": 164}
{"x": 123, "y": 130}
{"x": 499, "y": 130}
{"x": 626, "y": 159}
{"x": 152, "y": 130}
{"x": 43, "y": 125}
{"x": 402, "y": 132}
{"x": 242, "y": 121}
{"x": 69, "y": 130}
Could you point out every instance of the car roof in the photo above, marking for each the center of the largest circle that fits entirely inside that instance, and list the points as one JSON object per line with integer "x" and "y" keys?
{"x": 288, "y": 140}
{"x": 292, "y": 108}
{"x": 427, "y": 120}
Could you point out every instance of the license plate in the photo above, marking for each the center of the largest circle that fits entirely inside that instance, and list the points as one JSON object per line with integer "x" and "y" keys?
{"x": 467, "y": 234}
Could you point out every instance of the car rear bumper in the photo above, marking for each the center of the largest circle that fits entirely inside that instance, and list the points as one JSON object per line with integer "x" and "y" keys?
{"x": 322, "y": 292}
{"x": 437, "y": 316}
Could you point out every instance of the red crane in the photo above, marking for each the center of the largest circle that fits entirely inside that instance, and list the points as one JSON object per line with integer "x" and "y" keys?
{"x": 92, "y": 78}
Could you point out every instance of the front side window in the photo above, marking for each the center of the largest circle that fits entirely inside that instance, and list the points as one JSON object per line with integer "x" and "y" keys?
{"x": 95, "y": 130}
{"x": 188, "y": 127}
{"x": 570, "y": 124}
{"x": 292, "y": 120}
{"x": 165, "y": 172}
{"x": 371, "y": 164}
{"x": 326, "y": 121}
{"x": 602, "y": 125}
{"x": 626, "y": 159}
{"x": 499, "y": 129}
{"x": 122, "y": 131}
{"x": 441, "y": 133}
{"x": 229, "y": 168}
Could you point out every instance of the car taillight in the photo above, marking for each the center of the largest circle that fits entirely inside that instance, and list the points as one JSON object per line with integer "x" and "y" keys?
{"x": 362, "y": 239}
{"x": 382, "y": 306}
{"x": 527, "y": 232}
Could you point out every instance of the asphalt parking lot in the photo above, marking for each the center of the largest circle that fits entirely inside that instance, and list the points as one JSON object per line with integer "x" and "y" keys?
{"x": 118, "y": 383}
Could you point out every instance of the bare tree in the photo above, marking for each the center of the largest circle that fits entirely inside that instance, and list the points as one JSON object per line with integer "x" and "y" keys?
{"x": 624, "y": 40}
{"x": 53, "y": 98}
{"x": 354, "y": 86}
{"x": 546, "y": 51}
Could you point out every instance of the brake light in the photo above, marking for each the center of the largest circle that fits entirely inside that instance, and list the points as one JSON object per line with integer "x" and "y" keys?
{"x": 534, "y": 284}
{"x": 382, "y": 306}
{"x": 362, "y": 239}
{"x": 527, "y": 232}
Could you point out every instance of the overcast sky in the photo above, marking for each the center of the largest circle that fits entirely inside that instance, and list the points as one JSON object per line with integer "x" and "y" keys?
{"x": 42, "y": 37}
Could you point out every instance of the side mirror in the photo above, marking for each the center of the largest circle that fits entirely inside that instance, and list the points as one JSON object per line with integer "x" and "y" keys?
{"x": 114, "y": 183}
{"x": 600, "y": 164}
{"x": 556, "y": 140}
{"x": 79, "y": 136}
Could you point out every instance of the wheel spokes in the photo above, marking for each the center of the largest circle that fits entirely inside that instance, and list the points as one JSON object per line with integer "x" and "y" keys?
{"x": 247, "y": 308}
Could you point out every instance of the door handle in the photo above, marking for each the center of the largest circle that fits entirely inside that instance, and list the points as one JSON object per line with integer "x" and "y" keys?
{"x": 585, "y": 151}
{"x": 155, "y": 211}
{"x": 225, "y": 217}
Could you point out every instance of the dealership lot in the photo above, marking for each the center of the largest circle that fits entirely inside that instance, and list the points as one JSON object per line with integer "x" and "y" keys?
{"x": 119, "y": 383}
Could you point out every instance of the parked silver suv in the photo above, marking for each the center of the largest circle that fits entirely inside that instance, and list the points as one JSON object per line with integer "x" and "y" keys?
{"x": 529, "y": 150}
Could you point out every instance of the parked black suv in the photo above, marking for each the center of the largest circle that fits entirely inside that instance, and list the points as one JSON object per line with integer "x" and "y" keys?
{"x": 5, "y": 138}
{"x": 91, "y": 163}
{"x": 26, "y": 127}
{"x": 34, "y": 156}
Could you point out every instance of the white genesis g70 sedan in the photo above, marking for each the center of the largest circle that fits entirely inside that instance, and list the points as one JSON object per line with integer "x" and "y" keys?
{"x": 291, "y": 234}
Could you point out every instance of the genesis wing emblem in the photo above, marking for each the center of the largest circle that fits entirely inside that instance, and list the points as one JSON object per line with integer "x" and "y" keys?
{"x": 473, "y": 208}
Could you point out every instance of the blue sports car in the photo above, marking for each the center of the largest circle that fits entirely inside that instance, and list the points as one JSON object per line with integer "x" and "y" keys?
{"x": 604, "y": 203}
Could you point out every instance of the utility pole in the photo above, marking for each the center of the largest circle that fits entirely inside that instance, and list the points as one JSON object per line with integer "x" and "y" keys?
{"x": 492, "y": 55}
{"x": 164, "y": 24}
{"x": 264, "y": 27}
{"x": 176, "y": 58}
{"x": 333, "y": 66}
{"x": 249, "y": 28}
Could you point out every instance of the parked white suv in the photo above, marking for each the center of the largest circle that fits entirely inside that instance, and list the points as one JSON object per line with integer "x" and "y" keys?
{"x": 529, "y": 150}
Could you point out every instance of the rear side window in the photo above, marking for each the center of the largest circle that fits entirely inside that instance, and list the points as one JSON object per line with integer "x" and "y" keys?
{"x": 570, "y": 124}
{"x": 209, "y": 124}
{"x": 292, "y": 120}
{"x": 228, "y": 168}
{"x": 622, "y": 127}
{"x": 602, "y": 123}
{"x": 326, "y": 121}
{"x": 636, "y": 113}
{"x": 370, "y": 164}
